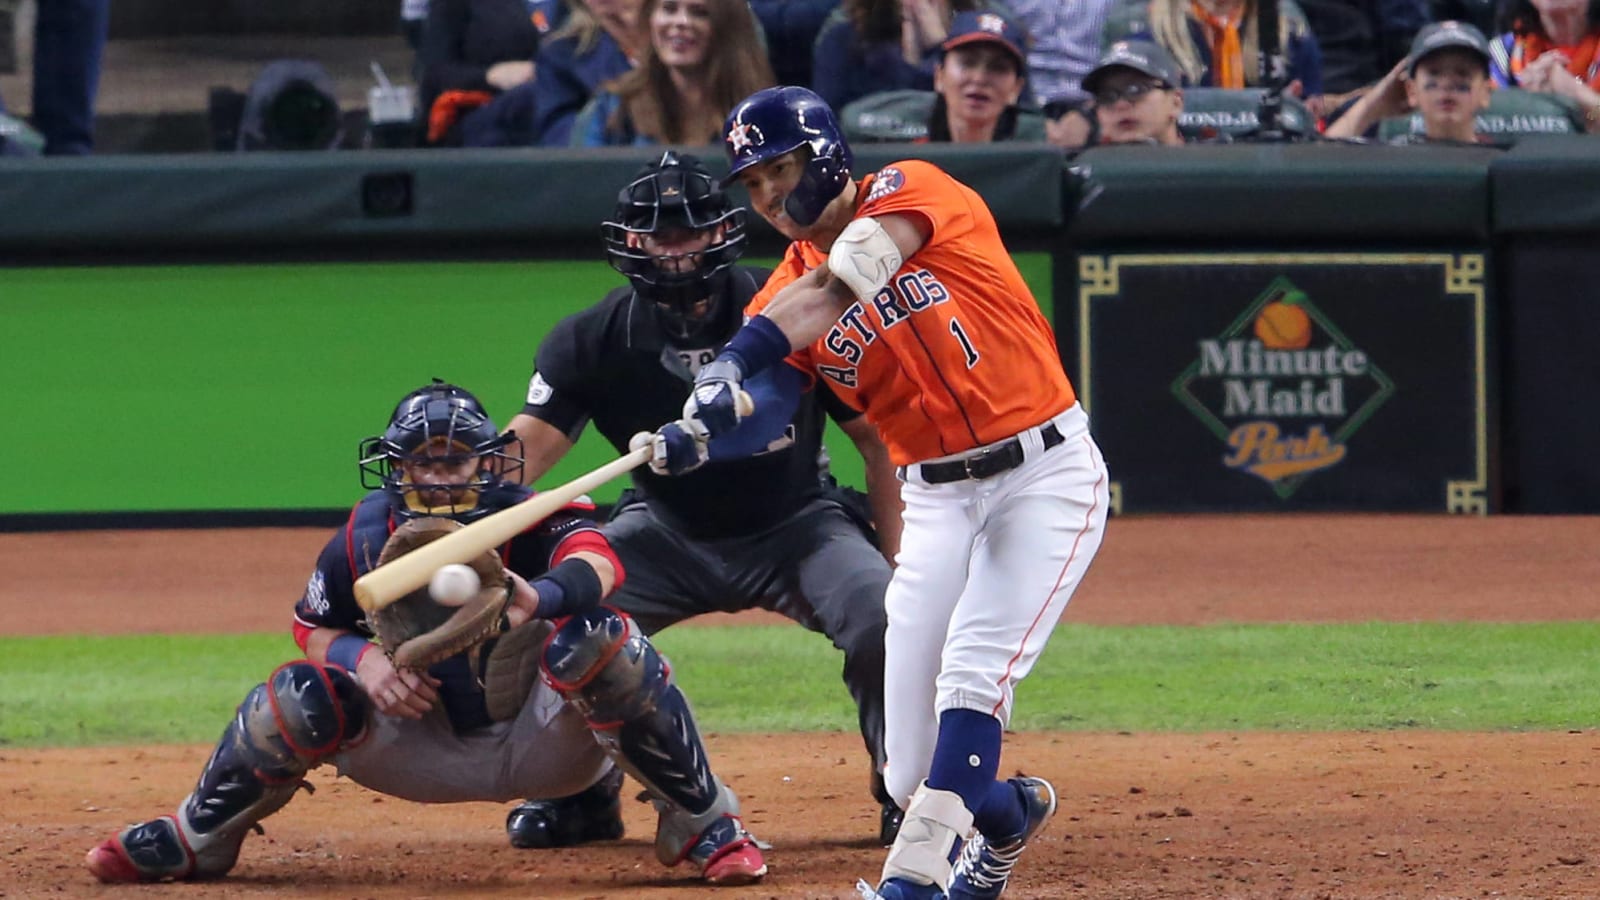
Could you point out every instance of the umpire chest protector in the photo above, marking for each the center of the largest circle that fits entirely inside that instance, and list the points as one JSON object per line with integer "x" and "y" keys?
{"x": 612, "y": 365}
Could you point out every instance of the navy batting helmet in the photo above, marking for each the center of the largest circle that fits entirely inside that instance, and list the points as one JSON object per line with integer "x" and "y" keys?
{"x": 440, "y": 424}
{"x": 778, "y": 120}
{"x": 676, "y": 192}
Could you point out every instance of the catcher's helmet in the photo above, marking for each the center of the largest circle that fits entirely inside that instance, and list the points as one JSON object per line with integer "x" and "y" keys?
{"x": 440, "y": 423}
{"x": 676, "y": 191}
{"x": 778, "y": 120}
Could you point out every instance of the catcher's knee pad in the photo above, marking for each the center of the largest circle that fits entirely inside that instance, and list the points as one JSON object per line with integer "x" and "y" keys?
{"x": 299, "y": 718}
{"x": 605, "y": 666}
{"x": 303, "y": 715}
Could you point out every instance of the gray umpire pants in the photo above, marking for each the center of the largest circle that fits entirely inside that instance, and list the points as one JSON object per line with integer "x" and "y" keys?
{"x": 816, "y": 568}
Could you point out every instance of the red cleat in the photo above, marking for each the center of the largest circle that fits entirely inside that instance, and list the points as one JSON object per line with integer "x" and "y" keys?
{"x": 738, "y": 863}
{"x": 110, "y": 863}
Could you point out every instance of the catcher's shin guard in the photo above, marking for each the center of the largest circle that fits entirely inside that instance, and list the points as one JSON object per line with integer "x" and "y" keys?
{"x": 301, "y": 716}
{"x": 610, "y": 672}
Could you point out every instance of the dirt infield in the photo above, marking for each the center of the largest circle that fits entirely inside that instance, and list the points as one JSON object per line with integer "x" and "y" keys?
{"x": 1367, "y": 815}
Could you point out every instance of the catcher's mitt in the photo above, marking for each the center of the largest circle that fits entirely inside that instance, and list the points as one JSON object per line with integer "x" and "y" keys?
{"x": 416, "y": 631}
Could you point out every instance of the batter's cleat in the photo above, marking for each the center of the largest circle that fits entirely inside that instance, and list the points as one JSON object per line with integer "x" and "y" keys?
{"x": 152, "y": 851}
{"x": 899, "y": 889}
{"x": 889, "y": 819}
{"x": 985, "y": 865}
{"x": 727, "y": 854}
{"x": 592, "y": 814}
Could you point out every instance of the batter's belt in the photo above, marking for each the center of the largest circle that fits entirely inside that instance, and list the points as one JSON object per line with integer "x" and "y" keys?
{"x": 988, "y": 462}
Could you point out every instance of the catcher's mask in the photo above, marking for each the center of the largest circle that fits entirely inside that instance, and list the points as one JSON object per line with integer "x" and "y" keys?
{"x": 676, "y": 196}
{"x": 439, "y": 429}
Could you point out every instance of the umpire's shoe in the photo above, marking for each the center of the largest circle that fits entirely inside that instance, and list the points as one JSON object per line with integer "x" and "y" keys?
{"x": 592, "y": 814}
{"x": 985, "y": 865}
{"x": 889, "y": 819}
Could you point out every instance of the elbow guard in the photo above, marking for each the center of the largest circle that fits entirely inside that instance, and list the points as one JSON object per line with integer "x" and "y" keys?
{"x": 864, "y": 257}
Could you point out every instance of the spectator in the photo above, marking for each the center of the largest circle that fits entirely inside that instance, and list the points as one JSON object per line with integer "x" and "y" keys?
{"x": 704, "y": 57}
{"x": 979, "y": 79}
{"x": 601, "y": 40}
{"x": 477, "y": 72}
{"x": 1215, "y": 42}
{"x": 1446, "y": 79}
{"x": 868, "y": 46}
{"x": 1137, "y": 99}
{"x": 981, "y": 75}
{"x": 1064, "y": 45}
{"x": 1551, "y": 46}
{"x": 1360, "y": 40}
{"x": 791, "y": 27}
{"x": 69, "y": 37}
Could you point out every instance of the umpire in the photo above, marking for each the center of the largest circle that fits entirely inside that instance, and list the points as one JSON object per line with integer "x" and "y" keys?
{"x": 771, "y": 531}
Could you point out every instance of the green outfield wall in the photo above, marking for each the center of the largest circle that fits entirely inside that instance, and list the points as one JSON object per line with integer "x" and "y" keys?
{"x": 248, "y": 387}
{"x": 215, "y": 333}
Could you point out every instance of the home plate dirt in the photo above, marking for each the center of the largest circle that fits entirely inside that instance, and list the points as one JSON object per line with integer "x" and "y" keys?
{"x": 1398, "y": 814}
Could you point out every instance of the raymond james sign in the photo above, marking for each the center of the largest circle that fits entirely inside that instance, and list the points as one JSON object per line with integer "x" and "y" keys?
{"x": 1287, "y": 381}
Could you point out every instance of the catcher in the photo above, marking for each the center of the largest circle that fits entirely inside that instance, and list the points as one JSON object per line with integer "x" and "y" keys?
{"x": 531, "y": 688}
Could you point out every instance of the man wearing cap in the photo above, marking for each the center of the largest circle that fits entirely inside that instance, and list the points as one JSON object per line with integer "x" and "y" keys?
{"x": 1445, "y": 79}
{"x": 1136, "y": 98}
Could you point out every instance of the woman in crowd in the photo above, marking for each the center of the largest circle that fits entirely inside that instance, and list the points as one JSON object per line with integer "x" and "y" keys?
{"x": 1551, "y": 46}
{"x": 980, "y": 77}
{"x": 704, "y": 56}
{"x": 1216, "y": 43}
{"x": 601, "y": 40}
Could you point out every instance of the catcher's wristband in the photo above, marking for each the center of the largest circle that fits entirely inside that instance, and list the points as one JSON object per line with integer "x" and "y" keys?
{"x": 345, "y": 651}
{"x": 571, "y": 587}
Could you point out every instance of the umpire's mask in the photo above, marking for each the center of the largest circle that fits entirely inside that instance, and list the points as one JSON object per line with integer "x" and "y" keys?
{"x": 674, "y": 234}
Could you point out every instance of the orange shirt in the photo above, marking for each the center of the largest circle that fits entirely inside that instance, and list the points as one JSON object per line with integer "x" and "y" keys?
{"x": 953, "y": 353}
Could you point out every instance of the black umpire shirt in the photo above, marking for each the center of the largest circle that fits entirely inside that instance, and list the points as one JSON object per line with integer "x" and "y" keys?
{"x": 612, "y": 364}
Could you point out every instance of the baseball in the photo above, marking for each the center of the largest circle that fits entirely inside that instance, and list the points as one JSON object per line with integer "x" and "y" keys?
{"x": 453, "y": 584}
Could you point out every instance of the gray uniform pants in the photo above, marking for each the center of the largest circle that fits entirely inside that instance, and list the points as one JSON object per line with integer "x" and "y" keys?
{"x": 546, "y": 752}
{"x": 817, "y": 568}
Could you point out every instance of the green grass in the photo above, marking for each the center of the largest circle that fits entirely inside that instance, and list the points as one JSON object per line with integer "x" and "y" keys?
{"x": 65, "y": 691}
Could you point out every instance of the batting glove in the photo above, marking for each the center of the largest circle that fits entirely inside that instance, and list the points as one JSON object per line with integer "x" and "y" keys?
{"x": 714, "y": 402}
{"x": 675, "y": 448}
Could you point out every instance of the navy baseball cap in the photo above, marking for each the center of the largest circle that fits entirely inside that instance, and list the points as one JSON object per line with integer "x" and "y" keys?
{"x": 1144, "y": 57}
{"x": 1447, "y": 35}
{"x": 974, "y": 27}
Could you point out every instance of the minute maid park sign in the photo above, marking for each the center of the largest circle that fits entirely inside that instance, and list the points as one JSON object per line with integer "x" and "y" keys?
{"x": 1283, "y": 388}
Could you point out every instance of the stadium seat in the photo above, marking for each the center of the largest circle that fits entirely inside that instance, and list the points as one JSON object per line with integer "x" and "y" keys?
{"x": 1512, "y": 114}
{"x": 1233, "y": 114}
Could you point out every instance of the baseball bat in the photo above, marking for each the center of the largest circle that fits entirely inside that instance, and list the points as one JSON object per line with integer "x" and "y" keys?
{"x": 391, "y": 581}
{"x": 388, "y": 583}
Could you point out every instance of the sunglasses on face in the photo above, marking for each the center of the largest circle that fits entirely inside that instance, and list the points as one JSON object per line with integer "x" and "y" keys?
{"x": 1131, "y": 93}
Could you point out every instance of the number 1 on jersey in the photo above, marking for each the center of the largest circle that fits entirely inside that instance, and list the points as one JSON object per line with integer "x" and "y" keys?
{"x": 966, "y": 343}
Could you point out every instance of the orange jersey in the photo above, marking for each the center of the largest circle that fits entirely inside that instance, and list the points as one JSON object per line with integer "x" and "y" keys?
{"x": 953, "y": 353}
